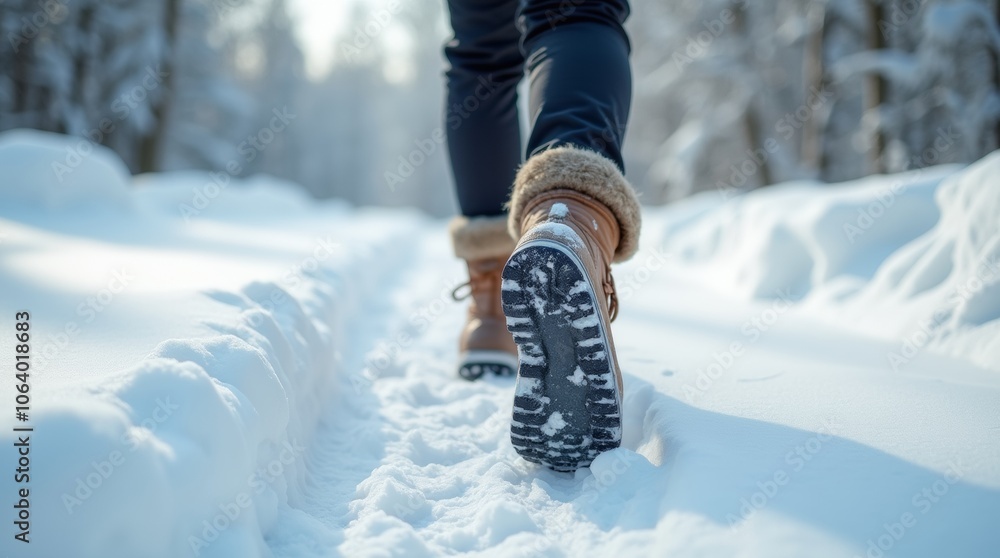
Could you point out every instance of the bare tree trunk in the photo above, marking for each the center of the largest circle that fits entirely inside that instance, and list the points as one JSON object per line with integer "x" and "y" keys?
{"x": 751, "y": 127}
{"x": 875, "y": 85}
{"x": 22, "y": 58}
{"x": 81, "y": 63}
{"x": 751, "y": 131}
{"x": 996, "y": 72}
{"x": 814, "y": 71}
{"x": 151, "y": 144}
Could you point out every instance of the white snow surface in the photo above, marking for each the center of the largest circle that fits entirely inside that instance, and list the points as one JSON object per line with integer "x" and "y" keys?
{"x": 558, "y": 211}
{"x": 223, "y": 371}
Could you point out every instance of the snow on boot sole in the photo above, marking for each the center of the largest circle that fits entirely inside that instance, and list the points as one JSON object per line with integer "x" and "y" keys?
{"x": 567, "y": 408}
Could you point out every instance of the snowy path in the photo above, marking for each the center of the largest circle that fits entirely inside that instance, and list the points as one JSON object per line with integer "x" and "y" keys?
{"x": 277, "y": 376}
{"x": 796, "y": 446}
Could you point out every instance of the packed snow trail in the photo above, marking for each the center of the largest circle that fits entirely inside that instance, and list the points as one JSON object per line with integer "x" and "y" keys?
{"x": 809, "y": 371}
{"x": 798, "y": 446}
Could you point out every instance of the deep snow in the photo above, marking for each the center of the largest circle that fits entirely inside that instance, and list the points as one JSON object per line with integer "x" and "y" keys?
{"x": 239, "y": 371}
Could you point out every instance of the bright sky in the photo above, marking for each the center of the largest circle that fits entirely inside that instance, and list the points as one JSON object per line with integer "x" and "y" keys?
{"x": 318, "y": 21}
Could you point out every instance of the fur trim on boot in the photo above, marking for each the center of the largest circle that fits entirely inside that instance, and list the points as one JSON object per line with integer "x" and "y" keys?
{"x": 477, "y": 238}
{"x": 586, "y": 172}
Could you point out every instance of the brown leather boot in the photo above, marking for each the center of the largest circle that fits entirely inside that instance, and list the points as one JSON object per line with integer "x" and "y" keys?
{"x": 574, "y": 214}
{"x": 484, "y": 345}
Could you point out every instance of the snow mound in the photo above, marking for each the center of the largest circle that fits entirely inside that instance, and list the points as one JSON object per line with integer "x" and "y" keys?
{"x": 947, "y": 281}
{"x": 797, "y": 237}
{"x": 195, "y": 444}
{"x": 201, "y": 421}
{"x": 201, "y": 194}
{"x": 268, "y": 377}
{"x": 53, "y": 171}
{"x": 912, "y": 257}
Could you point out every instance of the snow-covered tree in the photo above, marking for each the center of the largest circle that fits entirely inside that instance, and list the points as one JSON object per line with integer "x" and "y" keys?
{"x": 92, "y": 68}
{"x": 729, "y": 94}
{"x": 274, "y": 78}
{"x": 837, "y": 89}
{"x": 714, "y": 92}
{"x": 937, "y": 66}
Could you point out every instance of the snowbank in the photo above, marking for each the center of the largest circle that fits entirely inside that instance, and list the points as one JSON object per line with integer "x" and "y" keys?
{"x": 52, "y": 171}
{"x": 913, "y": 257}
{"x": 249, "y": 373}
{"x": 193, "y": 450}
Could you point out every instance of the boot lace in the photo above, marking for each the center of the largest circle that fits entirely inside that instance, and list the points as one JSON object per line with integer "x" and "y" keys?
{"x": 457, "y": 296}
{"x": 479, "y": 280}
{"x": 612, "y": 294}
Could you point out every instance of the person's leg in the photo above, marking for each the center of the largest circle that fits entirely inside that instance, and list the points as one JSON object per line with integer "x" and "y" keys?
{"x": 577, "y": 56}
{"x": 484, "y": 143}
{"x": 484, "y": 138}
{"x": 574, "y": 214}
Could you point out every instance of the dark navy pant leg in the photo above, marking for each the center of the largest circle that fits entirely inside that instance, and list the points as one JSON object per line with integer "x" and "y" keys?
{"x": 577, "y": 56}
{"x": 581, "y": 85}
{"x": 485, "y": 67}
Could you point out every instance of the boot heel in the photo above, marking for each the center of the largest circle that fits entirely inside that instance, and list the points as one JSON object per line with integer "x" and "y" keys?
{"x": 567, "y": 406}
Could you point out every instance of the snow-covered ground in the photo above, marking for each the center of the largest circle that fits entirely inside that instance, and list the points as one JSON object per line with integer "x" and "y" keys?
{"x": 224, "y": 368}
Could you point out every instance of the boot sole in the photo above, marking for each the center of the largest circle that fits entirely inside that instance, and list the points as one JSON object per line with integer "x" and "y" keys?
{"x": 567, "y": 407}
{"x": 476, "y": 364}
